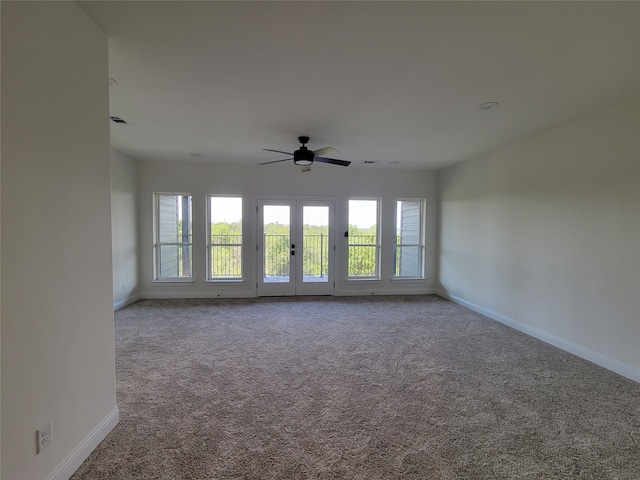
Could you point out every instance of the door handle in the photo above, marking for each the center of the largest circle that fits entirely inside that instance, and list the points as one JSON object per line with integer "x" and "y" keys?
{"x": 293, "y": 252}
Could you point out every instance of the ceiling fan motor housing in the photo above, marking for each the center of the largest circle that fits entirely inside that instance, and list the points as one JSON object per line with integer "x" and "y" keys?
{"x": 303, "y": 156}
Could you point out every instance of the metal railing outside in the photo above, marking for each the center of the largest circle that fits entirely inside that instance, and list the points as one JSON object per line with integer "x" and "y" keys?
{"x": 315, "y": 261}
{"x": 276, "y": 255}
{"x": 363, "y": 256}
{"x": 315, "y": 255}
{"x": 226, "y": 255}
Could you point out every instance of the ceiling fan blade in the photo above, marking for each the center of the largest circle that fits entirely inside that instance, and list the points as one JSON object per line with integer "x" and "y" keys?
{"x": 333, "y": 161}
{"x": 276, "y": 161}
{"x": 324, "y": 151}
{"x": 277, "y": 151}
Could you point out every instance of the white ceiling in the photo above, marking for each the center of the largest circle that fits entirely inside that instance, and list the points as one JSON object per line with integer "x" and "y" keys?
{"x": 379, "y": 81}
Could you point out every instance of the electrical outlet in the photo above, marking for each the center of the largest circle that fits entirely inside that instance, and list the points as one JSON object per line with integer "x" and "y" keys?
{"x": 222, "y": 290}
{"x": 44, "y": 437}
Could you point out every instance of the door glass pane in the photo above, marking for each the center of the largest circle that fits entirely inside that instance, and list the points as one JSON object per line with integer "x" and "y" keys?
{"x": 277, "y": 243}
{"x": 315, "y": 244}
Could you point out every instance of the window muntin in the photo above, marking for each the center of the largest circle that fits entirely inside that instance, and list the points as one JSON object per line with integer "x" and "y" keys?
{"x": 224, "y": 238}
{"x": 364, "y": 239}
{"x": 173, "y": 236}
{"x": 408, "y": 248}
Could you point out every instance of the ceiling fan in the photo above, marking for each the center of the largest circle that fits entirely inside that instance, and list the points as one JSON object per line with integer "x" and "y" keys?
{"x": 304, "y": 157}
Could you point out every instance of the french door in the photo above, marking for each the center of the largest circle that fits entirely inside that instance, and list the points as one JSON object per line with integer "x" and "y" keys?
{"x": 296, "y": 247}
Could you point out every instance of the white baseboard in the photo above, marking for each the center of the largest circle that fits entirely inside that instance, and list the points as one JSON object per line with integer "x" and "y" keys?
{"x": 609, "y": 363}
{"x": 209, "y": 294}
{"x": 387, "y": 291}
{"x": 252, "y": 294}
{"x": 84, "y": 449}
{"x": 127, "y": 301}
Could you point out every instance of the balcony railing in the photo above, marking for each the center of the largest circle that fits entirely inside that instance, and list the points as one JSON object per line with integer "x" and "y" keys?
{"x": 315, "y": 260}
{"x": 315, "y": 255}
{"x": 276, "y": 255}
{"x": 363, "y": 256}
{"x": 226, "y": 256}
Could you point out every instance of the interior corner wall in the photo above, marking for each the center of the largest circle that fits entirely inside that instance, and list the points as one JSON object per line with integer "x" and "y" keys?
{"x": 58, "y": 359}
{"x": 200, "y": 179}
{"x": 544, "y": 234}
{"x": 124, "y": 229}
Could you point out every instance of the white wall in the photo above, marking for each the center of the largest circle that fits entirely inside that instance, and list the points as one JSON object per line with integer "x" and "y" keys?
{"x": 200, "y": 179}
{"x": 124, "y": 229}
{"x": 545, "y": 234}
{"x": 57, "y": 312}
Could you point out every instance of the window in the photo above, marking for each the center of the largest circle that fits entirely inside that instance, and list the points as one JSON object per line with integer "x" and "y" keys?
{"x": 172, "y": 247}
{"x": 364, "y": 244}
{"x": 224, "y": 245}
{"x": 408, "y": 249}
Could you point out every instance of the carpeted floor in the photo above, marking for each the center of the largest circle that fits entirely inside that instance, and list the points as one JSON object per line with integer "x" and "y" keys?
{"x": 411, "y": 387}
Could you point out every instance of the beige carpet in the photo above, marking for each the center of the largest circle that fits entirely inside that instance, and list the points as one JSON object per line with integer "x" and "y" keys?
{"x": 356, "y": 388}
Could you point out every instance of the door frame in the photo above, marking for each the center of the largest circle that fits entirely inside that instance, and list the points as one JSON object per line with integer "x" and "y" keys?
{"x": 298, "y": 287}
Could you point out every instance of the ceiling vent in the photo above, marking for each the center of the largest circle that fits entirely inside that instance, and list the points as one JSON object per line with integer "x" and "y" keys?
{"x": 118, "y": 120}
{"x": 369, "y": 162}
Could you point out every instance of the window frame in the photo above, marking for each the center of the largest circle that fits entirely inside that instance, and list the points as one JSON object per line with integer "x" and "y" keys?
{"x": 421, "y": 245}
{"x": 377, "y": 243}
{"x": 157, "y": 244}
{"x": 208, "y": 243}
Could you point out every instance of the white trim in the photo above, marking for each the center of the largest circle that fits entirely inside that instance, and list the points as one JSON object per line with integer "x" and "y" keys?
{"x": 384, "y": 291}
{"x": 296, "y": 285}
{"x": 224, "y": 281}
{"x": 189, "y": 294}
{"x": 69, "y": 465}
{"x": 173, "y": 283}
{"x": 378, "y": 243}
{"x": 127, "y": 301}
{"x": 609, "y": 363}
{"x": 157, "y": 244}
{"x": 208, "y": 244}
{"x": 400, "y": 280}
{"x": 421, "y": 246}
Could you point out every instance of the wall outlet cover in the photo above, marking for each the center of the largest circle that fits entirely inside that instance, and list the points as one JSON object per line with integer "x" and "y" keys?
{"x": 44, "y": 437}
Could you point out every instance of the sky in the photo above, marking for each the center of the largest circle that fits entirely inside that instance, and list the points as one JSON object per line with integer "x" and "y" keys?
{"x": 362, "y": 213}
{"x": 312, "y": 215}
{"x": 226, "y": 209}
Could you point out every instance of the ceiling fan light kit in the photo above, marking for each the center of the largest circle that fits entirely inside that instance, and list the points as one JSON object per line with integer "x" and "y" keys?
{"x": 303, "y": 157}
